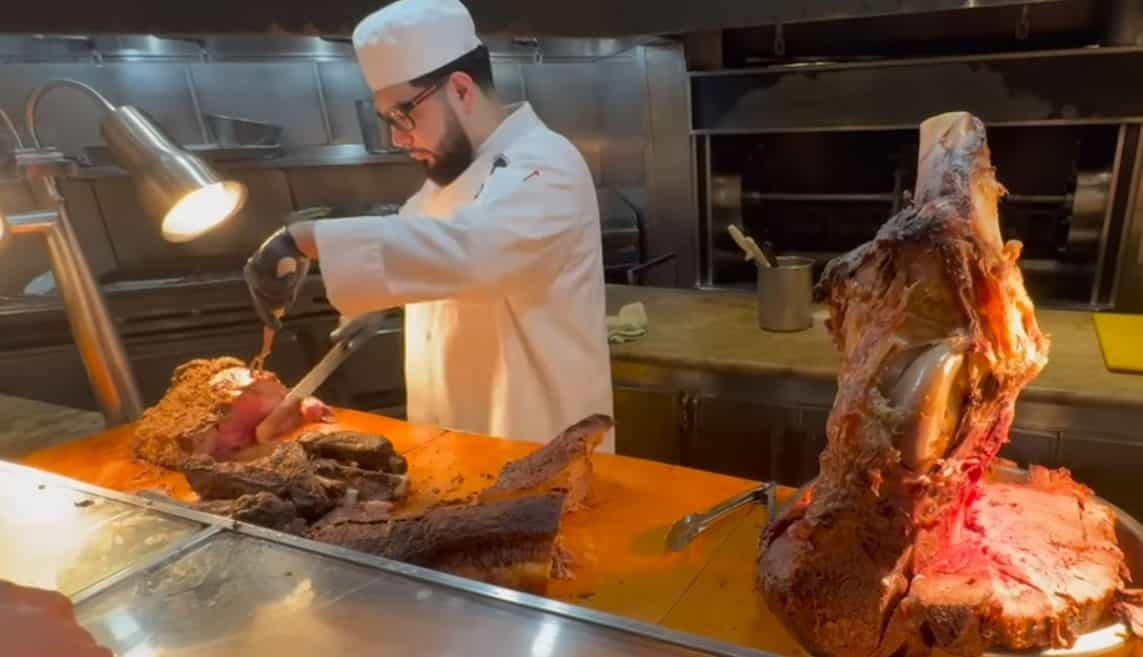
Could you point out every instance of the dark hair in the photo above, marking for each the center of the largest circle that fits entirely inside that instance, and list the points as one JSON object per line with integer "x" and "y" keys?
{"x": 476, "y": 63}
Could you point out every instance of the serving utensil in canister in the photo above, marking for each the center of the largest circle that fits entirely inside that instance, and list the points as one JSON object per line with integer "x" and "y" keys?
{"x": 751, "y": 248}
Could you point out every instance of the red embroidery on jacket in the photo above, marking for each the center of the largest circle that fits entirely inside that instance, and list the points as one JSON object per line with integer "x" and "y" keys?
{"x": 535, "y": 172}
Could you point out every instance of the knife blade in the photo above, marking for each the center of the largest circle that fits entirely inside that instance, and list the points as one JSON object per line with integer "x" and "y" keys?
{"x": 318, "y": 375}
{"x": 309, "y": 384}
{"x": 688, "y": 528}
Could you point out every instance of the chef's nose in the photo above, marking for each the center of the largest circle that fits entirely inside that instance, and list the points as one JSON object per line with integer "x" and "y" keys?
{"x": 401, "y": 139}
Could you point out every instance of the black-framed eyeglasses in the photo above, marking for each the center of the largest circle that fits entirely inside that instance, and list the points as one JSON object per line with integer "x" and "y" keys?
{"x": 400, "y": 116}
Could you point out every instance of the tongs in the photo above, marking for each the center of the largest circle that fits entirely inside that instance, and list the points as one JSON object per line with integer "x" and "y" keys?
{"x": 686, "y": 530}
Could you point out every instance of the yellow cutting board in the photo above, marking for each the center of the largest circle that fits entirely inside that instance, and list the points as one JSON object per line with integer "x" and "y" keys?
{"x": 1121, "y": 339}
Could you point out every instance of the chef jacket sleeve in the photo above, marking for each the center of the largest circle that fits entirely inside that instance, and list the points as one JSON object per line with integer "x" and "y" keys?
{"x": 522, "y": 228}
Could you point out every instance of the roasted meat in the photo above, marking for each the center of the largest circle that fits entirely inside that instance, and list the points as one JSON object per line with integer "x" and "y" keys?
{"x": 263, "y": 508}
{"x": 509, "y": 542}
{"x": 1020, "y": 565}
{"x": 345, "y": 488}
{"x": 899, "y": 545}
{"x": 292, "y": 474}
{"x": 212, "y": 408}
{"x": 507, "y": 535}
{"x": 563, "y": 464}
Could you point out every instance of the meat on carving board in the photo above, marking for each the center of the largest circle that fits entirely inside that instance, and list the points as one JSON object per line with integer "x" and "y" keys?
{"x": 904, "y": 543}
{"x": 347, "y": 488}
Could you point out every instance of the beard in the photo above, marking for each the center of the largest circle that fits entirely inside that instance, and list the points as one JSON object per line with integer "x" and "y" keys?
{"x": 453, "y": 156}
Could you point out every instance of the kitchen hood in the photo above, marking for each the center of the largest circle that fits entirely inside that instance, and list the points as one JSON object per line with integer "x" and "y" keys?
{"x": 585, "y": 18}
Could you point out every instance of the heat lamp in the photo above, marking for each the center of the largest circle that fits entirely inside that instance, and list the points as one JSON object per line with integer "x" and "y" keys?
{"x": 176, "y": 188}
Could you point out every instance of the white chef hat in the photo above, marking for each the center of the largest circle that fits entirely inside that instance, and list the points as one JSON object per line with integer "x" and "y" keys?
{"x": 410, "y": 38}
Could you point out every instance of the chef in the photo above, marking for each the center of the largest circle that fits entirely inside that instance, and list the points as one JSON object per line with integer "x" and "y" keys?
{"x": 497, "y": 259}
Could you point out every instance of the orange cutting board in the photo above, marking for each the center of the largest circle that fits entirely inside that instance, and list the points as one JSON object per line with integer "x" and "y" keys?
{"x": 1121, "y": 339}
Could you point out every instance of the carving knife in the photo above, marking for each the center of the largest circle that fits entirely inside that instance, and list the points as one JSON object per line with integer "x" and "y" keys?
{"x": 687, "y": 529}
{"x": 318, "y": 375}
{"x": 309, "y": 383}
{"x": 336, "y": 355}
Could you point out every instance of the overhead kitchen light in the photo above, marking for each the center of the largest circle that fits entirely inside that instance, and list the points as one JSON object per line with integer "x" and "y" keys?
{"x": 180, "y": 191}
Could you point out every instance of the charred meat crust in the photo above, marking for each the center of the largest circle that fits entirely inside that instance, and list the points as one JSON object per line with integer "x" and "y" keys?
{"x": 214, "y": 407}
{"x": 457, "y": 528}
{"x": 508, "y": 537}
{"x": 312, "y": 486}
{"x": 363, "y": 450}
{"x": 853, "y": 569}
{"x": 563, "y": 464}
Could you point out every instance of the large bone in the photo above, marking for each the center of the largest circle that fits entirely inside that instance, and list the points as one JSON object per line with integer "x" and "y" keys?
{"x": 944, "y": 141}
{"x": 930, "y": 393}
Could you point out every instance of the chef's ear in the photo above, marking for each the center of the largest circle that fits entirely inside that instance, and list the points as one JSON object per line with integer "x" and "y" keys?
{"x": 465, "y": 89}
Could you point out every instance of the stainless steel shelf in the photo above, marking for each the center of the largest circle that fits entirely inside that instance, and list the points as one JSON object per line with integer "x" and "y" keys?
{"x": 310, "y": 156}
{"x": 1037, "y": 199}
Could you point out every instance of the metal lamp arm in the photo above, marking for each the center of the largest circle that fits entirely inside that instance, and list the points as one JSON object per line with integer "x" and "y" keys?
{"x": 11, "y": 128}
{"x": 33, "y": 103}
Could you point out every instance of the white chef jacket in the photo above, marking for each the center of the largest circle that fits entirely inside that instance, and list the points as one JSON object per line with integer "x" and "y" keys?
{"x": 501, "y": 275}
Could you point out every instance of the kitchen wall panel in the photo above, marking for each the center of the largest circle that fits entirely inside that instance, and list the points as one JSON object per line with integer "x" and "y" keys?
{"x": 508, "y": 77}
{"x": 566, "y": 97}
{"x": 354, "y": 188}
{"x": 282, "y": 93}
{"x": 342, "y": 86}
{"x": 69, "y": 119}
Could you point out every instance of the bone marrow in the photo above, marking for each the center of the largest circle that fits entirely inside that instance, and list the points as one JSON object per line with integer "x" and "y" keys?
{"x": 903, "y": 544}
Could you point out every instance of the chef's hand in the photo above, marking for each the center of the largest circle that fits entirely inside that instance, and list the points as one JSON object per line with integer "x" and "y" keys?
{"x": 360, "y": 329}
{"x": 278, "y": 268}
{"x": 40, "y": 623}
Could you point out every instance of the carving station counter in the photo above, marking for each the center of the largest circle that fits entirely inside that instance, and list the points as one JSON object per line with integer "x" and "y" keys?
{"x": 232, "y": 589}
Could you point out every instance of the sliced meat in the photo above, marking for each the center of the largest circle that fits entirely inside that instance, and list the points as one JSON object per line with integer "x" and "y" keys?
{"x": 564, "y": 463}
{"x": 287, "y": 473}
{"x": 369, "y": 484}
{"x": 212, "y": 408}
{"x": 510, "y": 542}
{"x": 292, "y": 473}
{"x": 263, "y": 509}
{"x": 364, "y": 450}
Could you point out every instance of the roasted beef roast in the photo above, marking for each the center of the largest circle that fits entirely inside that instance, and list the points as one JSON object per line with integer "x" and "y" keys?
{"x": 212, "y": 408}
{"x": 901, "y": 544}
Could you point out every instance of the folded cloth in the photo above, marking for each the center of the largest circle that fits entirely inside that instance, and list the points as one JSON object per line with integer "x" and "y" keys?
{"x": 628, "y": 325}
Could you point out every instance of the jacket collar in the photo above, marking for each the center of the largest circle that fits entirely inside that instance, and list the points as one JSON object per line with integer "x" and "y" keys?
{"x": 520, "y": 121}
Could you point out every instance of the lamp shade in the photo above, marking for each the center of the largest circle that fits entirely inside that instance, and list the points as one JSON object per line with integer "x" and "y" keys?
{"x": 181, "y": 190}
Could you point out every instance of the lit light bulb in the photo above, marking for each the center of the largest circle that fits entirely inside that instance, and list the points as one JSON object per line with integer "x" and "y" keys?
{"x": 201, "y": 210}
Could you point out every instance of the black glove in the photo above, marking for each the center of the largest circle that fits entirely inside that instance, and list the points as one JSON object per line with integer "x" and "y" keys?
{"x": 276, "y": 271}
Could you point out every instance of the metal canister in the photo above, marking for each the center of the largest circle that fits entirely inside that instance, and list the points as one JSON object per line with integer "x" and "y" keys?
{"x": 785, "y": 295}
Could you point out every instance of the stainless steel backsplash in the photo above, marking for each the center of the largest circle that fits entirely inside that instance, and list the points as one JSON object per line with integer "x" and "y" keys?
{"x": 605, "y": 105}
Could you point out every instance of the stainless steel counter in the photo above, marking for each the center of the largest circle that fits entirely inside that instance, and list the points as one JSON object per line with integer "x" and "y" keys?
{"x": 150, "y": 578}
